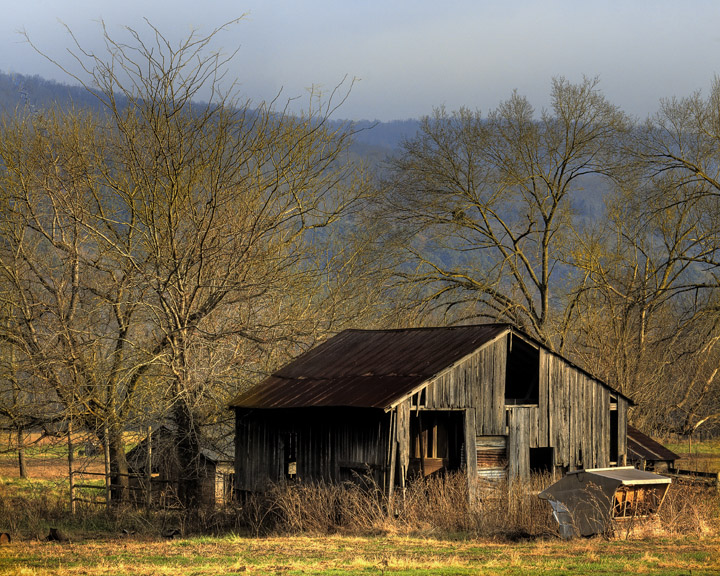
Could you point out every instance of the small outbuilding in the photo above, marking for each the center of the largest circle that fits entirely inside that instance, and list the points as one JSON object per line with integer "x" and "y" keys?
{"x": 215, "y": 471}
{"x": 585, "y": 502}
{"x": 487, "y": 400}
{"x": 647, "y": 454}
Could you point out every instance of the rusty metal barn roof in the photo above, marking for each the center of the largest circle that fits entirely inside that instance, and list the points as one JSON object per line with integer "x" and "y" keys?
{"x": 642, "y": 447}
{"x": 367, "y": 368}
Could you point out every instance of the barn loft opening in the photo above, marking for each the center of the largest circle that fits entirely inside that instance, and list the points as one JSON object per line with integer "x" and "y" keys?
{"x": 523, "y": 372}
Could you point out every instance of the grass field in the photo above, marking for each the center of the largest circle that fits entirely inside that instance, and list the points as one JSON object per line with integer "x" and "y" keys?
{"x": 699, "y": 456}
{"x": 352, "y": 555}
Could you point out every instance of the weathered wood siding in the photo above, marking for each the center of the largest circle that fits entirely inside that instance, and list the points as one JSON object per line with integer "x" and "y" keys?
{"x": 331, "y": 445}
{"x": 572, "y": 415}
{"x": 622, "y": 430}
{"x": 259, "y": 458}
{"x": 519, "y": 427}
{"x": 477, "y": 383}
{"x": 402, "y": 435}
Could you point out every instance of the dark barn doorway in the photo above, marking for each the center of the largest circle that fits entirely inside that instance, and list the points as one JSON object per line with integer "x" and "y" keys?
{"x": 436, "y": 441}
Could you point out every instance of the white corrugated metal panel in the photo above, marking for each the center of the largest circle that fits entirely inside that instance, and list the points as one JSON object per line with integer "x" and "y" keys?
{"x": 627, "y": 475}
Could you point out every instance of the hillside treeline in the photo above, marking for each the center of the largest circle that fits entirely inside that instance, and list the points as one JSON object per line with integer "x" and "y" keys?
{"x": 158, "y": 254}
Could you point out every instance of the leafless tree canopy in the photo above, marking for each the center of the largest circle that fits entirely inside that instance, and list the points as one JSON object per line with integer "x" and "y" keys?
{"x": 157, "y": 253}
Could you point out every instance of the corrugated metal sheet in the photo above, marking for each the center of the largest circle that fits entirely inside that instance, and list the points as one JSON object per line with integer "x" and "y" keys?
{"x": 623, "y": 475}
{"x": 367, "y": 368}
{"x": 491, "y": 457}
{"x": 642, "y": 447}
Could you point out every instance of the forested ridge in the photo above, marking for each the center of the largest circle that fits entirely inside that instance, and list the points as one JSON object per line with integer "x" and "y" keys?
{"x": 158, "y": 254}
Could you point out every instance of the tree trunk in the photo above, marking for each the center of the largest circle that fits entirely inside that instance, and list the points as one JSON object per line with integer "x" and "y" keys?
{"x": 118, "y": 466}
{"x": 188, "y": 450}
{"x": 21, "y": 452}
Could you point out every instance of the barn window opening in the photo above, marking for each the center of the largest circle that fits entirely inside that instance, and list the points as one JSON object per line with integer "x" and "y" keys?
{"x": 541, "y": 460}
{"x": 522, "y": 374}
{"x": 291, "y": 442}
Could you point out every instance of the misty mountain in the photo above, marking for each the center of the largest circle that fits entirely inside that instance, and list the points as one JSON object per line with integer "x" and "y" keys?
{"x": 373, "y": 140}
{"x": 36, "y": 93}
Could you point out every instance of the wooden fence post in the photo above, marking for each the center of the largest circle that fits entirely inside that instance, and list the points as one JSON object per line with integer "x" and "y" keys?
{"x": 106, "y": 449}
{"x": 71, "y": 465}
{"x": 149, "y": 467}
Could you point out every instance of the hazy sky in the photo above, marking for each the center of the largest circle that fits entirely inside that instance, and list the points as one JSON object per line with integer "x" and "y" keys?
{"x": 409, "y": 55}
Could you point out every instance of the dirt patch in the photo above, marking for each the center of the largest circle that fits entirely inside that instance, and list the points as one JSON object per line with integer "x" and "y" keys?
{"x": 48, "y": 467}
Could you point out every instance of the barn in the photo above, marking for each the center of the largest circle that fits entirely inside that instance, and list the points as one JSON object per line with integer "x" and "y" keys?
{"x": 487, "y": 400}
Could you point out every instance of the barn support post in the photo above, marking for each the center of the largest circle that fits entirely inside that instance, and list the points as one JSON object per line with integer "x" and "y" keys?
{"x": 471, "y": 460}
{"x": 393, "y": 456}
{"x": 422, "y": 444}
{"x": 71, "y": 466}
{"x": 108, "y": 478}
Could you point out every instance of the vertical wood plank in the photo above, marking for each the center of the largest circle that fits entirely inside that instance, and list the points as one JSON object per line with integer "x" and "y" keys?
{"x": 497, "y": 399}
{"x": 470, "y": 451}
{"x": 622, "y": 407}
{"x": 518, "y": 442}
{"x": 543, "y": 400}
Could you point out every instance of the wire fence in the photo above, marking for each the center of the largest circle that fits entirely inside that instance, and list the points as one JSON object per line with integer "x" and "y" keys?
{"x": 76, "y": 462}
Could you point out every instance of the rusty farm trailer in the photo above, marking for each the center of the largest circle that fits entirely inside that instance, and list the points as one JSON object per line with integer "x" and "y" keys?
{"x": 485, "y": 399}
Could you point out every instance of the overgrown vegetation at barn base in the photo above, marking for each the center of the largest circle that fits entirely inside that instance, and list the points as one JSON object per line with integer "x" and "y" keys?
{"x": 436, "y": 506}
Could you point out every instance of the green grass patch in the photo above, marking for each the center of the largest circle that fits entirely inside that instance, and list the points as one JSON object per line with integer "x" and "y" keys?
{"x": 701, "y": 448}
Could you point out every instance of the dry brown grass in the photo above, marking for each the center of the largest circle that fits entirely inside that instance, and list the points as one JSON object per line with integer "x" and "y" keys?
{"x": 440, "y": 506}
{"x": 323, "y": 529}
{"x": 433, "y": 506}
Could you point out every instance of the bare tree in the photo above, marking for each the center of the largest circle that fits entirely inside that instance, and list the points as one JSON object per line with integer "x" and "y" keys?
{"x": 487, "y": 206}
{"x": 209, "y": 226}
{"x": 653, "y": 272}
{"x": 76, "y": 320}
{"x": 644, "y": 309}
